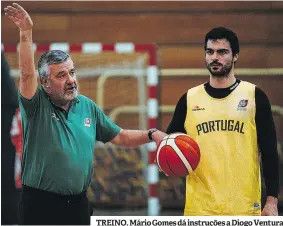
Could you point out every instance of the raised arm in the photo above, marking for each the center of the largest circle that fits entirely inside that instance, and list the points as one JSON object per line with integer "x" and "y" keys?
{"x": 28, "y": 79}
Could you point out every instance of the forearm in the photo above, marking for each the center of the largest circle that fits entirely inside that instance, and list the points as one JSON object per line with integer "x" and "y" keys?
{"x": 132, "y": 138}
{"x": 270, "y": 166}
{"x": 28, "y": 79}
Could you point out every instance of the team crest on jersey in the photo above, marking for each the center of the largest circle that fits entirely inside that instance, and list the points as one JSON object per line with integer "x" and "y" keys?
{"x": 242, "y": 106}
{"x": 53, "y": 115}
{"x": 87, "y": 122}
{"x": 243, "y": 103}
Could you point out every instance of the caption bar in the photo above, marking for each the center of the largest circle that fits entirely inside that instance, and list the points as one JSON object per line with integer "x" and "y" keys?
{"x": 186, "y": 221}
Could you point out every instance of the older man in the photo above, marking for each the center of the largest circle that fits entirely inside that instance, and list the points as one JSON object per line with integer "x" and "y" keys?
{"x": 60, "y": 128}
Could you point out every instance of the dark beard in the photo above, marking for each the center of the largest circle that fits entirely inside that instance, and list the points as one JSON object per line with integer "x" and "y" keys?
{"x": 224, "y": 72}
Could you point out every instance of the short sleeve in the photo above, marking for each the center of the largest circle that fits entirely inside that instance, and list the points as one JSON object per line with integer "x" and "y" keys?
{"x": 28, "y": 106}
{"x": 106, "y": 129}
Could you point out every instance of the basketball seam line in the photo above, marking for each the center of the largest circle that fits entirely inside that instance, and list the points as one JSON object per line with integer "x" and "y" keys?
{"x": 182, "y": 157}
{"x": 167, "y": 159}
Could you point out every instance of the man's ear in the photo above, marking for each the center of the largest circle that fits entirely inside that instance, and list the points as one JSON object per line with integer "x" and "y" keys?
{"x": 235, "y": 58}
{"x": 45, "y": 82}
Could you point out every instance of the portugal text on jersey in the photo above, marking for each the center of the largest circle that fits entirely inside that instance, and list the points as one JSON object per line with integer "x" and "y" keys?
{"x": 220, "y": 125}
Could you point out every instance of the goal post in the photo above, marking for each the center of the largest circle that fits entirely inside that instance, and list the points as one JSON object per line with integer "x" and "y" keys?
{"x": 152, "y": 104}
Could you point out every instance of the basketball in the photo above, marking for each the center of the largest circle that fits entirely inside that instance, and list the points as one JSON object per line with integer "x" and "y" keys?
{"x": 178, "y": 155}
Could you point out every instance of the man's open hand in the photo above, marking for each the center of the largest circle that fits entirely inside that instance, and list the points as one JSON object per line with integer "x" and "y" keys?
{"x": 19, "y": 16}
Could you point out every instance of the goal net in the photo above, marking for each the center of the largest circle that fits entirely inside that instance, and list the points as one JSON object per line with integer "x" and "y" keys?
{"x": 122, "y": 79}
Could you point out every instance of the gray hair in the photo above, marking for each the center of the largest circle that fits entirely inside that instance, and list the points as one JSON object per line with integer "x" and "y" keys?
{"x": 48, "y": 58}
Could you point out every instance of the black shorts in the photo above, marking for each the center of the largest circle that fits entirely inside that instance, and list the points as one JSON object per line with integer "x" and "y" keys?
{"x": 38, "y": 207}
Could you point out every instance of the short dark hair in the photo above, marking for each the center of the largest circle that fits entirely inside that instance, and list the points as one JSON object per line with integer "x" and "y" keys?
{"x": 48, "y": 58}
{"x": 223, "y": 33}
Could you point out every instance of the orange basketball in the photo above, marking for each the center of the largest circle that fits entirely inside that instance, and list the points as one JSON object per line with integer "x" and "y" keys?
{"x": 178, "y": 155}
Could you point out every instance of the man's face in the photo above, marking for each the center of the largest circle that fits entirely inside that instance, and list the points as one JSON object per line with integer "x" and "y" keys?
{"x": 62, "y": 82}
{"x": 219, "y": 57}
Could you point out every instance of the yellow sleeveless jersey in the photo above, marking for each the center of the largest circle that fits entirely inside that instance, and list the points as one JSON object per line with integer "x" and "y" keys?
{"x": 227, "y": 179}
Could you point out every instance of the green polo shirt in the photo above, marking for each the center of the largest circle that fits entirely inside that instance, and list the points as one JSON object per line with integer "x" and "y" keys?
{"x": 58, "y": 147}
